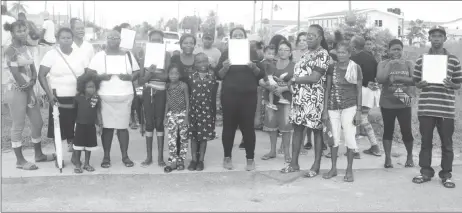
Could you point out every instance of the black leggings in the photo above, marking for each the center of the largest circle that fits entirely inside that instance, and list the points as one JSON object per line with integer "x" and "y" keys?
{"x": 404, "y": 116}
{"x": 239, "y": 110}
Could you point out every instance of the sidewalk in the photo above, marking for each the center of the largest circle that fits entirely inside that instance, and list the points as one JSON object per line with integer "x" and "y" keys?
{"x": 213, "y": 160}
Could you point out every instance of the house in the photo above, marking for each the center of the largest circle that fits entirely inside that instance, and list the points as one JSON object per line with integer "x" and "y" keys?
{"x": 277, "y": 25}
{"x": 59, "y": 20}
{"x": 375, "y": 18}
{"x": 456, "y": 24}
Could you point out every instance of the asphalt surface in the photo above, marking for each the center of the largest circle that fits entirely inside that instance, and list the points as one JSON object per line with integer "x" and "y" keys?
{"x": 373, "y": 190}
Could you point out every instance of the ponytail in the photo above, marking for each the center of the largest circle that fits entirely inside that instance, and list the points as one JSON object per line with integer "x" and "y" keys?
{"x": 8, "y": 27}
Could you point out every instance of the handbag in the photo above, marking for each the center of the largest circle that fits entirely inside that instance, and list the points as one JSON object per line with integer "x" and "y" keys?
{"x": 352, "y": 73}
{"x": 327, "y": 136}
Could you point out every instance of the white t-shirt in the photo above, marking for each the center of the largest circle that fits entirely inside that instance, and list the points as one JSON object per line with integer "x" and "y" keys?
{"x": 86, "y": 51}
{"x": 115, "y": 86}
{"x": 49, "y": 28}
{"x": 61, "y": 77}
{"x": 6, "y": 36}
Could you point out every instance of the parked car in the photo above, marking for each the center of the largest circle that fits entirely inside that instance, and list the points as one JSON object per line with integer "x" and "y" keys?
{"x": 172, "y": 41}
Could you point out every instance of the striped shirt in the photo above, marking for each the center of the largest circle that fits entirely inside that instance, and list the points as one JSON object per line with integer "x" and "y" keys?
{"x": 436, "y": 100}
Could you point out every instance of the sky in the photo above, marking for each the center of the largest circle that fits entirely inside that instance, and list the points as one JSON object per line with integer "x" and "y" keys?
{"x": 111, "y": 13}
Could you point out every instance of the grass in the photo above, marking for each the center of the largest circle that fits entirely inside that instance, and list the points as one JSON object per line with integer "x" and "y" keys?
{"x": 411, "y": 53}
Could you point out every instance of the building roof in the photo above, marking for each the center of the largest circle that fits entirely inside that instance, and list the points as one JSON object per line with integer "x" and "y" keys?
{"x": 284, "y": 22}
{"x": 343, "y": 13}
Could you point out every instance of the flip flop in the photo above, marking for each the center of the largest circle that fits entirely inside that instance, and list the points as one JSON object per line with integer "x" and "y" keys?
{"x": 89, "y": 168}
{"x": 127, "y": 162}
{"x": 311, "y": 174}
{"x": 267, "y": 157}
{"x": 106, "y": 163}
{"x": 369, "y": 152}
{"x": 448, "y": 183}
{"x": 27, "y": 166}
{"x": 46, "y": 158}
{"x": 145, "y": 164}
{"x": 289, "y": 169}
{"x": 409, "y": 165}
{"x": 78, "y": 170}
{"x": 420, "y": 179}
{"x": 348, "y": 179}
{"x": 388, "y": 166}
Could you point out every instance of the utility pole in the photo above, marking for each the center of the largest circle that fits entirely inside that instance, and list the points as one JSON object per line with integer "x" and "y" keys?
{"x": 271, "y": 21}
{"x": 254, "y": 11}
{"x": 261, "y": 18}
{"x": 83, "y": 12}
{"x": 298, "y": 20}
{"x": 349, "y": 6}
{"x": 94, "y": 12}
{"x": 178, "y": 19}
{"x": 45, "y": 5}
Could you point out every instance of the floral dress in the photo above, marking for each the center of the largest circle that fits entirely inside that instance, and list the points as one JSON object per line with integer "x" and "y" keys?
{"x": 201, "y": 119}
{"x": 308, "y": 99}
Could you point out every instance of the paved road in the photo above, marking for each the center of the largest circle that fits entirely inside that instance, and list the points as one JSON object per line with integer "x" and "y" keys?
{"x": 374, "y": 190}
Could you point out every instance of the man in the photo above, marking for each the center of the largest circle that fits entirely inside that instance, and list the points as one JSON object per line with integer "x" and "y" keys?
{"x": 214, "y": 55}
{"x": 370, "y": 91}
{"x": 436, "y": 108}
{"x": 33, "y": 32}
{"x": 48, "y": 33}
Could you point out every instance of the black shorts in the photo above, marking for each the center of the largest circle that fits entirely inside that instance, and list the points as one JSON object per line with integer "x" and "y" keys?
{"x": 66, "y": 119}
{"x": 154, "y": 109}
{"x": 85, "y": 137}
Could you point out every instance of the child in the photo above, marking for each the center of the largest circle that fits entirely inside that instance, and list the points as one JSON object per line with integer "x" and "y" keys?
{"x": 202, "y": 125}
{"x": 88, "y": 121}
{"x": 269, "y": 64}
{"x": 24, "y": 59}
{"x": 176, "y": 119}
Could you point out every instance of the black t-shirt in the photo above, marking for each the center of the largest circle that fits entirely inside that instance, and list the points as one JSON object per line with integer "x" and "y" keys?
{"x": 368, "y": 66}
{"x": 86, "y": 109}
{"x": 184, "y": 69}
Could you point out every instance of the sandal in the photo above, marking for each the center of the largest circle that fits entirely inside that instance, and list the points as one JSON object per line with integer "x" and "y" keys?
{"x": 267, "y": 157}
{"x": 289, "y": 169}
{"x": 370, "y": 152}
{"x": 88, "y": 168}
{"x": 46, "y": 158}
{"x": 448, "y": 183}
{"x": 106, "y": 163}
{"x": 145, "y": 163}
{"x": 170, "y": 167}
{"x": 127, "y": 162}
{"x": 27, "y": 166}
{"x": 311, "y": 174}
{"x": 388, "y": 166}
{"x": 180, "y": 164}
{"x": 348, "y": 179}
{"x": 409, "y": 164}
{"x": 420, "y": 179}
{"x": 78, "y": 170}
{"x": 288, "y": 159}
{"x": 308, "y": 146}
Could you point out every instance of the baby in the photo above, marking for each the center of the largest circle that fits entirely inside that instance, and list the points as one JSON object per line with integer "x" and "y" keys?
{"x": 269, "y": 64}
{"x": 25, "y": 60}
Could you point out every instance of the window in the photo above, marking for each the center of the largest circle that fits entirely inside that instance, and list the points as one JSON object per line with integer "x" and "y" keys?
{"x": 378, "y": 23}
{"x": 324, "y": 23}
{"x": 334, "y": 22}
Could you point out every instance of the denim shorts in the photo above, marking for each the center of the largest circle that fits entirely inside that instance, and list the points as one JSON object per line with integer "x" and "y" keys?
{"x": 278, "y": 120}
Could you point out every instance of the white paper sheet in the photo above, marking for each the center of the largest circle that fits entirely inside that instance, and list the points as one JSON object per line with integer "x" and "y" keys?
{"x": 434, "y": 68}
{"x": 116, "y": 64}
{"x": 239, "y": 51}
{"x": 127, "y": 38}
{"x": 155, "y": 54}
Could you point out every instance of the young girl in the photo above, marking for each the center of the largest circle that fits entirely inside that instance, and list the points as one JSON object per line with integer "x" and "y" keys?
{"x": 88, "y": 122}
{"x": 269, "y": 66}
{"x": 344, "y": 88}
{"x": 25, "y": 59}
{"x": 176, "y": 119}
{"x": 202, "y": 126}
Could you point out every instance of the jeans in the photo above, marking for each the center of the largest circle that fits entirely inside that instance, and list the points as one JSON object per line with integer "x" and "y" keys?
{"x": 445, "y": 128}
{"x": 17, "y": 103}
{"x": 344, "y": 119}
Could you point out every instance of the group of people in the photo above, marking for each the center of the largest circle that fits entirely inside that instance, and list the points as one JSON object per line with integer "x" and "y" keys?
{"x": 320, "y": 81}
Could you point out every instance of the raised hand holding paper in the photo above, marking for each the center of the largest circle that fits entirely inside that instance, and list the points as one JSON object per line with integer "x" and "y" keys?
{"x": 434, "y": 68}
{"x": 116, "y": 64}
{"x": 155, "y": 55}
{"x": 239, "y": 51}
{"x": 127, "y": 38}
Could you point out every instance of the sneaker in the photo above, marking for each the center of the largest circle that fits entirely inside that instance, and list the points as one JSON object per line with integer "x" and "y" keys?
{"x": 227, "y": 163}
{"x": 250, "y": 165}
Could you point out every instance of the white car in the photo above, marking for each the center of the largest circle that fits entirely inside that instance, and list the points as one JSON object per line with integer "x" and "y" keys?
{"x": 172, "y": 41}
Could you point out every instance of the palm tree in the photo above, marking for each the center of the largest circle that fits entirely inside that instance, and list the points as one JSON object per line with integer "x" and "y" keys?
{"x": 18, "y": 7}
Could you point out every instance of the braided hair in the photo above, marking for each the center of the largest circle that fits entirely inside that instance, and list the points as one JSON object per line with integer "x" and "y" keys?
{"x": 321, "y": 33}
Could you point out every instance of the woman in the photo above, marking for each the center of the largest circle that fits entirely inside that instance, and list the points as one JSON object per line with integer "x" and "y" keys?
{"x": 20, "y": 80}
{"x": 59, "y": 70}
{"x": 239, "y": 101}
{"x": 116, "y": 93}
{"x": 308, "y": 99}
{"x": 398, "y": 89}
{"x": 153, "y": 100}
{"x": 186, "y": 58}
{"x": 81, "y": 46}
{"x": 344, "y": 87}
{"x": 278, "y": 120}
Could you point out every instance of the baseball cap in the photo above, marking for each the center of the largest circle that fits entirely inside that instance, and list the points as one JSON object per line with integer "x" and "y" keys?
{"x": 437, "y": 29}
{"x": 208, "y": 35}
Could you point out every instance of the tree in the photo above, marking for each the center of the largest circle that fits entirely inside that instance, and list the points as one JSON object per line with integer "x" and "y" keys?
{"x": 221, "y": 31}
{"x": 192, "y": 23}
{"x": 416, "y": 30}
{"x": 160, "y": 24}
{"x": 172, "y": 25}
{"x": 17, "y": 8}
{"x": 146, "y": 27}
{"x": 210, "y": 22}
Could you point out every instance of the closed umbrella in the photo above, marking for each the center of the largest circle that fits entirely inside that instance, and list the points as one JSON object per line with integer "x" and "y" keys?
{"x": 58, "y": 142}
